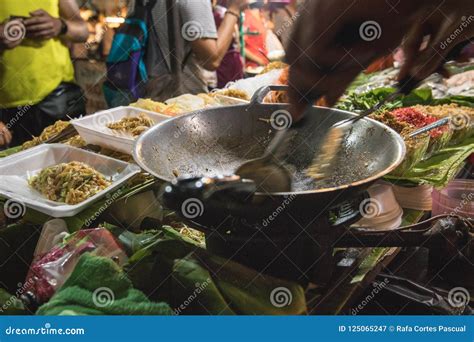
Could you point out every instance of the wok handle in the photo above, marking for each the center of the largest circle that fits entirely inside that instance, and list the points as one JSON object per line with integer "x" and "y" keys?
{"x": 260, "y": 94}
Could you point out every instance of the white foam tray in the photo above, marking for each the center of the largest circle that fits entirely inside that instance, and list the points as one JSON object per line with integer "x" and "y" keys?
{"x": 93, "y": 128}
{"x": 18, "y": 168}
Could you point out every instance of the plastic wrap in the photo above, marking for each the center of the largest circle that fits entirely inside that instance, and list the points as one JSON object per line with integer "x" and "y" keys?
{"x": 49, "y": 272}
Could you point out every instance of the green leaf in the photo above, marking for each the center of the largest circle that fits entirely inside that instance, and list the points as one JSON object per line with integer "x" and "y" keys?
{"x": 467, "y": 101}
{"x": 441, "y": 168}
{"x": 418, "y": 97}
{"x": 195, "y": 281}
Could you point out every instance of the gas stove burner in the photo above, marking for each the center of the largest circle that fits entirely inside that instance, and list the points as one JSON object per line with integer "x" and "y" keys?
{"x": 288, "y": 237}
{"x": 222, "y": 198}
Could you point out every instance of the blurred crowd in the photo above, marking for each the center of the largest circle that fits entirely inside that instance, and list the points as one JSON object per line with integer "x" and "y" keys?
{"x": 160, "y": 49}
{"x": 220, "y": 42}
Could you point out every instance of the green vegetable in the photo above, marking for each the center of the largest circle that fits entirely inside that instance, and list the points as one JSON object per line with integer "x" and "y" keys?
{"x": 441, "y": 168}
{"x": 194, "y": 281}
{"x": 353, "y": 102}
{"x": 359, "y": 102}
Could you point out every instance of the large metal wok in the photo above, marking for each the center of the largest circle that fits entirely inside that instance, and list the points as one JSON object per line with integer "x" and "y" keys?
{"x": 282, "y": 234}
{"x": 214, "y": 142}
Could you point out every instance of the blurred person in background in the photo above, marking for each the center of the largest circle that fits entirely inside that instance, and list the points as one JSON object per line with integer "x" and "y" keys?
{"x": 36, "y": 73}
{"x": 232, "y": 66}
{"x": 204, "y": 45}
{"x": 283, "y": 15}
{"x": 255, "y": 36}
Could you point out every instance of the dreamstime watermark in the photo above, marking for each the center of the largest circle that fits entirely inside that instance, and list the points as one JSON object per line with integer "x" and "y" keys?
{"x": 22, "y": 288}
{"x": 21, "y": 110}
{"x": 192, "y": 30}
{"x": 459, "y": 297}
{"x": 199, "y": 288}
{"x": 465, "y": 22}
{"x": 192, "y": 208}
{"x": 460, "y": 121}
{"x": 97, "y": 38}
{"x": 189, "y": 129}
{"x": 377, "y": 288}
{"x": 108, "y": 202}
{"x": 370, "y": 208}
{"x": 287, "y": 24}
{"x": 103, "y": 296}
{"x": 466, "y": 200}
{"x": 281, "y": 208}
{"x": 188, "y": 126}
{"x": 281, "y": 119}
{"x": 182, "y": 130}
{"x": 14, "y": 30}
{"x": 370, "y": 30}
{"x": 103, "y": 119}
{"x": 281, "y": 297}
{"x": 14, "y": 209}
{"x": 46, "y": 330}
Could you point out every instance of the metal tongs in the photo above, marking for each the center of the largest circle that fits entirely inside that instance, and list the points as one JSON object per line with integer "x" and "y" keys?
{"x": 323, "y": 161}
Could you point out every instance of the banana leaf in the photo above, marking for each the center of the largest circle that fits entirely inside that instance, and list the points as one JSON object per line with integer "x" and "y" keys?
{"x": 195, "y": 281}
{"x": 421, "y": 96}
{"x": 441, "y": 168}
{"x": 467, "y": 101}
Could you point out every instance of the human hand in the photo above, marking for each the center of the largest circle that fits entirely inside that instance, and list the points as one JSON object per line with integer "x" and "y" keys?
{"x": 333, "y": 41}
{"x": 12, "y": 33}
{"x": 446, "y": 25}
{"x": 5, "y": 135}
{"x": 42, "y": 25}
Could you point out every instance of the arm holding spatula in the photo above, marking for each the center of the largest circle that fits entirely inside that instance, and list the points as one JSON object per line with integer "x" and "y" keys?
{"x": 333, "y": 41}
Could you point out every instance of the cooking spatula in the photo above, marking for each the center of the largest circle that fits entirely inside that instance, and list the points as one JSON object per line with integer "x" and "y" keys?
{"x": 323, "y": 161}
{"x": 268, "y": 172}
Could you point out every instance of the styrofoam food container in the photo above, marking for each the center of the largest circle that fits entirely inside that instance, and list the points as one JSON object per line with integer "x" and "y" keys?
{"x": 225, "y": 100}
{"x": 93, "y": 128}
{"x": 382, "y": 210}
{"x": 415, "y": 197}
{"x": 18, "y": 168}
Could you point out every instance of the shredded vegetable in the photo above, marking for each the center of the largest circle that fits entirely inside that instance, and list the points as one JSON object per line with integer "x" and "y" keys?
{"x": 70, "y": 183}
{"x": 237, "y": 93}
{"x": 48, "y": 132}
{"x": 134, "y": 125}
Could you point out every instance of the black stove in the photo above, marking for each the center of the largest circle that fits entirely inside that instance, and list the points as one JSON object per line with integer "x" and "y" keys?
{"x": 296, "y": 242}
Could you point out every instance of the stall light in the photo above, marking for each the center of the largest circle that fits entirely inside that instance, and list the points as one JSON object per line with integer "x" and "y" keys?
{"x": 114, "y": 20}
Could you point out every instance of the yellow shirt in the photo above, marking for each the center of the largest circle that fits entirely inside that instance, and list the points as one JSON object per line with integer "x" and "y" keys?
{"x": 32, "y": 70}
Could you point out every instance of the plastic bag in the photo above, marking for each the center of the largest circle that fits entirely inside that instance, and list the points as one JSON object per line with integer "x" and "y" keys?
{"x": 49, "y": 272}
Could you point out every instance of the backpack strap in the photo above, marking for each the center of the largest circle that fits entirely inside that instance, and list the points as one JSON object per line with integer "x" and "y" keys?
{"x": 176, "y": 50}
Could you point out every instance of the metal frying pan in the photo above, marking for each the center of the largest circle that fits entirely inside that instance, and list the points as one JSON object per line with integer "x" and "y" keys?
{"x": 215, "y": 142}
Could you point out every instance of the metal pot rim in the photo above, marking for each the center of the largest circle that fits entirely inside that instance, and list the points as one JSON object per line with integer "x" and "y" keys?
{"x": 399, "y": 140}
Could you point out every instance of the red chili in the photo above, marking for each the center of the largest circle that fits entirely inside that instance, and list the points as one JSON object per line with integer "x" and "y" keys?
{"x": 417, "y": 119}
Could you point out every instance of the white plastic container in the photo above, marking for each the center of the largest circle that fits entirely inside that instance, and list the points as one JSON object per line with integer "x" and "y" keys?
{"x": 93, "y": 128}
{"x": 16, "y": 170}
